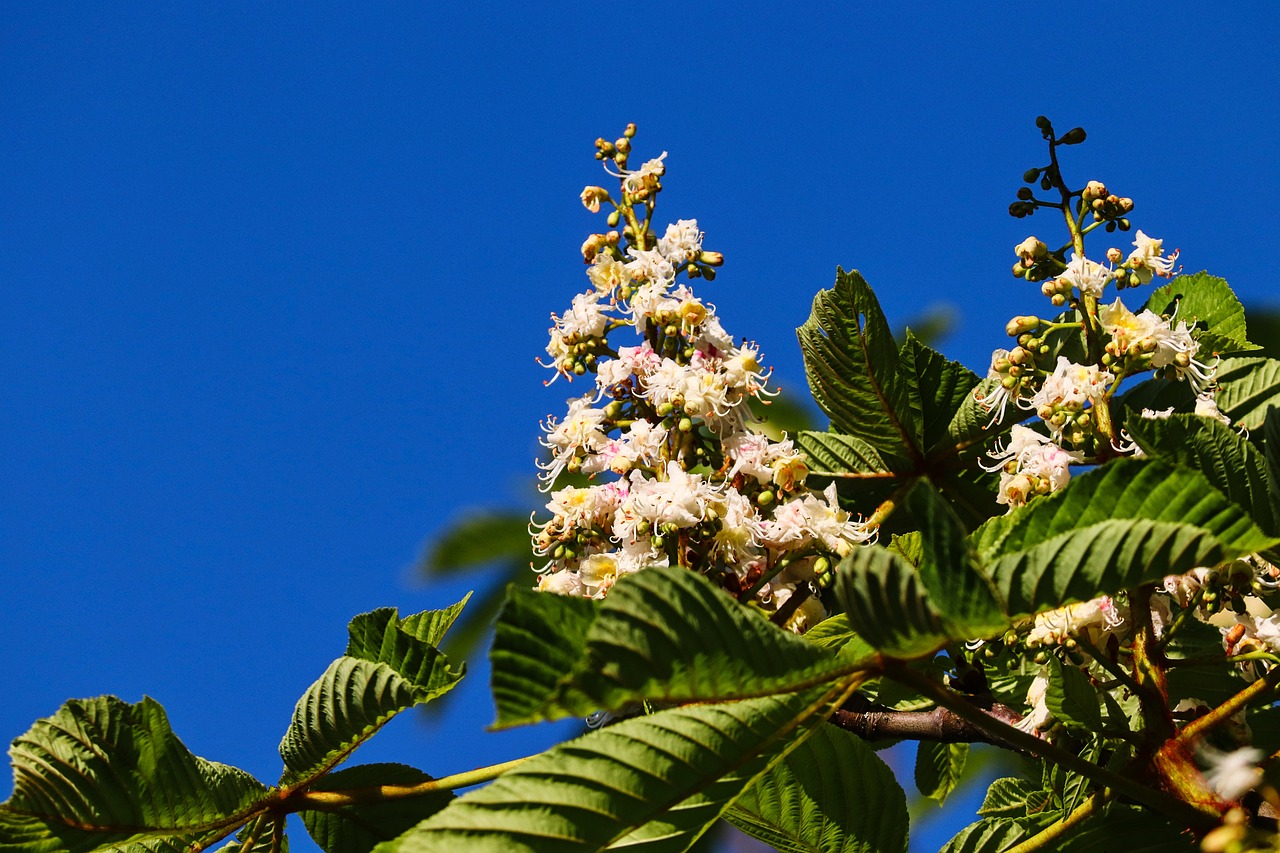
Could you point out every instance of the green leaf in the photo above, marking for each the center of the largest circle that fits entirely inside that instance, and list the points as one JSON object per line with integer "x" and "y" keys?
{"x": 1207, "y": 303}
{"x": 961, "y": 594}
{"x": 993, "y": 834}
{"x": 1228, "y": 461}
{"x": 669, "y": 635}
{"x": 478, "y": 540}
{"x": 390, "y": 664}
{"x": 834, "y": 453}
{"x": 887, "y": 603}
{"x": 1271, "y": 441}
{"x": 852, "y": 364}
{"x": 1247, "y": 388}
{"x": 1071, "y": 697}
{"x": 939, "y": 767}
{"x": 264, "y": 834}
{"x": 938, "y": 389}
{"x": 537, "y": 641}
{"x": 1128, "y": 522}
{"x": 668, "y": 776}
{"x": 835, "y": 633}
{"x": 101, "y": 774}
{"x": 357, "y": 828}
{"x": 831, "y": 794}
{"x": 972, "y": 425}
{"x": 1007, "y": 797}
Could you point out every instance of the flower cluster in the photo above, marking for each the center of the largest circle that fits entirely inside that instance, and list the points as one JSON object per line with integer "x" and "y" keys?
{"x": 677, "y": 474}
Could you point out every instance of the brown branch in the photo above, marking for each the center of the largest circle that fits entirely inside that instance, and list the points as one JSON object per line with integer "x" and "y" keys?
{"x": 871, "y": 722}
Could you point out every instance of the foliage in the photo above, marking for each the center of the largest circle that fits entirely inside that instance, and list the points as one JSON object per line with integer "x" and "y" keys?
{"x": 1029, "y": 560}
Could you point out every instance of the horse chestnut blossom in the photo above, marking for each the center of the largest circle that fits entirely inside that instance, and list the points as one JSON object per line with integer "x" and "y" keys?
{"x": 697, "y": 485}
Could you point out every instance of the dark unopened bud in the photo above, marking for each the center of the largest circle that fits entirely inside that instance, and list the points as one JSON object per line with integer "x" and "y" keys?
{"x": 1045, "y": 183}
{"x": 1031, "y": 175}
{"x": 1025, "y": 193}
{"x": 1074, "y": 136}
{"x": 1042, "y": 122}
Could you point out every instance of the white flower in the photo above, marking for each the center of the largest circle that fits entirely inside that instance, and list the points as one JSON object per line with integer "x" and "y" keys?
{"x": 1147, "y": 258}
{"x": 1032, "y": 456}
{"x": 579, "y": 432}
{"x": 1126, "y": 327}
{"x": 1038, "y": 717}
{"x": 1095, "y": 619}
{"x": 807, "y": 519}
{"x": 584, "y": 319}
{"x": 650, "y": 265}
{"x": 563, "y": 582}
{"x": 1088, "y": 277}
{"x": 682, "y": 242}
{"x": 1170, "y": 344}
{"x": 1207, "y": 407}
{"x": 1232, "y": 774}
{"x": 680, "y": 500}
{"x": 633, "y": 179}
{"x": 1072, "y": 385}
{"x": 607, "y": 273}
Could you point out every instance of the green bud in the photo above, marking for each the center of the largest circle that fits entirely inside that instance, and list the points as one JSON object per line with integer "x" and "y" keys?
{"x": 612, "y": 219}
{"x": 1124, "y": 225}
{"x": 658, "y": 543}
{"x": 821, "y": 566}
{"x": 685, "y": 425}
{"x": 665, "y": 409}
{"x": 630, "y": 130}
{"x": 765, "y": 498}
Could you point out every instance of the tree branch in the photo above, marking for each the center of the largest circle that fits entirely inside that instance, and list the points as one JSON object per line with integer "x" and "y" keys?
{"x": 873, "y": 722}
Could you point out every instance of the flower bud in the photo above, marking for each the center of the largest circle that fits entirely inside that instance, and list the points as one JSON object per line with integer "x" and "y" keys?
{"x": 765, "y": 498}
{"x": 613, "y": 219}
{"x": 1114, "y": 255}
{"x": 713, "y": 259}
{"x": 1094, "y": 189}
{"x": 1020, "y": 325}
{"x": 1031, "y": 175}
{"x": 630, "y": 130}
{"x": 623, "y": 144}
{"x": 605, "y": 147}
{"x": 1030, "y": 250}
{"x": 592, "y": 196}
{"x": 1042, "y": 122}
{"x": 1074, "y": 136}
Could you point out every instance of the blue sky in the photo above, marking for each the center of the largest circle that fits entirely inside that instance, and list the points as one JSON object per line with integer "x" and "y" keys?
{"x": 274, "y": 276}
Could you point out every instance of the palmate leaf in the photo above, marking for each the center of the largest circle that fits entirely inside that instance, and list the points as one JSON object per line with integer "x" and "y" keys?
{"x": 390, "y": 664}
{"x": 1071, "y": 698}
{"x": 664, "y": 634}
{"x": 851, "y": 361}
{"x": 960, "y": 592}
{"x": 831, "y": 794}
{"x": 1007, "y": 797}
{"x": 537, "y": 641}
{"x": 1207, "y": 303}
{"x": 651, "y": 783}
{"x": 1247, "y": 388}
{"x": 887, "y": 603}
{"x": 1227, "y": 459}
{"x": 836, "y": 453}
{"x": 939, "y": 767}
{"x": 358, "y": 828}
{"x": 1129, "y": 522}
{"x": 938, "y": 389}
{"x": 101, "y": 774}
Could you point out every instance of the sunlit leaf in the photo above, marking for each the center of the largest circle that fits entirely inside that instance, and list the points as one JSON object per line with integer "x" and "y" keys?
{"x": 101, "y": 774}
{"x": 831, "y": 794}
{"x": 390, "y": 664}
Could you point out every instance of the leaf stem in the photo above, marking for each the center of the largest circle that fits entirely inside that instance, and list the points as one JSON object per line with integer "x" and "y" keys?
{"x": 332, "y": 800}
{"x": 1054, "y": 831}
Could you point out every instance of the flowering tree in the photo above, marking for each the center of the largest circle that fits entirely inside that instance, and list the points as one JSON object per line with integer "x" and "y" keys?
{"x": 1069, "y": 559}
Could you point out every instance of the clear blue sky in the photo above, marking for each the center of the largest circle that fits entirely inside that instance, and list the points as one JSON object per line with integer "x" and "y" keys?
{"x": 273, "y": 277}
